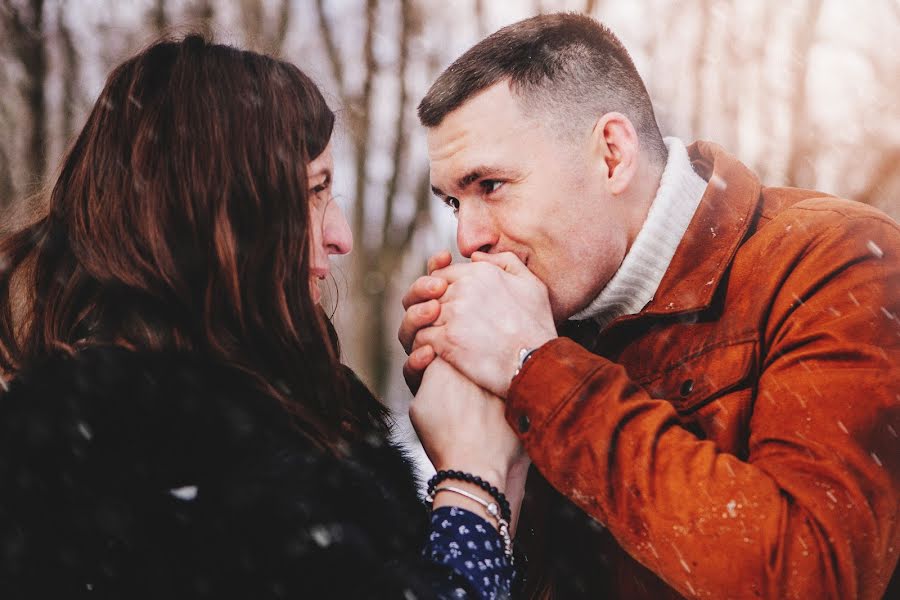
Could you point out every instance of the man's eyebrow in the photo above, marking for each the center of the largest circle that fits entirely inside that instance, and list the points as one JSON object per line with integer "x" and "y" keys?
{"x": 474, "y": 175}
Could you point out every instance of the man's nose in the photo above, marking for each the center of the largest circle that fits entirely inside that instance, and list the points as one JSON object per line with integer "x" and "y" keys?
{"x": 475, "y": 230}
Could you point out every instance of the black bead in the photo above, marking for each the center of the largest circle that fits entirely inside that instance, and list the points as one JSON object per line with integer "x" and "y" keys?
{"x": 497, "y": 495}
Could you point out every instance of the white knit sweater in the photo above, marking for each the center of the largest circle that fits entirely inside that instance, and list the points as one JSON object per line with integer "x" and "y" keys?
{"x": 638, "y": 277}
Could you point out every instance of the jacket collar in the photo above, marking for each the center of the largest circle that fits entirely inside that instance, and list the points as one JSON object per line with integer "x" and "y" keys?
{"x": 714, "y": 235}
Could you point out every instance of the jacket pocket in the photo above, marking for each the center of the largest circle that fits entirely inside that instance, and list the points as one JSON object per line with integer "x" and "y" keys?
{"x": 705, "y": 375}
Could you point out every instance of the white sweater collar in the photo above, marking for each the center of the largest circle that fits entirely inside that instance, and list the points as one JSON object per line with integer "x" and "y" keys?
{"x": 639, "y": 275}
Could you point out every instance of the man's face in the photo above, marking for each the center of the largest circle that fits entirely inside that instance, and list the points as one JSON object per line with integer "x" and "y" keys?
{"x": 516, "y": 187}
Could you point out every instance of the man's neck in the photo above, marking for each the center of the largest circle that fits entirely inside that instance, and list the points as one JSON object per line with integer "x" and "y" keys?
{"x": 649, "y": 178}
{"x": 650, "y": 250}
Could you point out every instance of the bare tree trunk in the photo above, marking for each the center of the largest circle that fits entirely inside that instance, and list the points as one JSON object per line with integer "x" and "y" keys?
{"x": 158, "y": 16}
{"x": 281, "y": 27}
{"x": 799, "y": 158}
{"x": 257, "y": 33}
{"x": 887, "y": 171}
{"x": 331, "y": 50}
{"x": 70, "y": 71}
{"x": 379, "y": 254}
{"x": 7, "y": 186}
{"x": 479, "y": 18}
{"x": 25, "y": 28}
{"x": 699, "y": 107}
{"x": 252, "y": 15}
{"x": 390, "y": 254}
{"x": 368, "y": 282}
{"x": 203, "y": 14}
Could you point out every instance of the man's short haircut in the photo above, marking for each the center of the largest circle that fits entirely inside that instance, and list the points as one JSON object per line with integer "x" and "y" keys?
{"x": 564, "y": 66}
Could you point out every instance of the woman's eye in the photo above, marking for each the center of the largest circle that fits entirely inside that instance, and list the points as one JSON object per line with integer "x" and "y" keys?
{"x": 316, "y": 190}
{"x": 453, "y": 203}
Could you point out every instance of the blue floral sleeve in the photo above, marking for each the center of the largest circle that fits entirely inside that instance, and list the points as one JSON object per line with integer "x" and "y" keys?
{"x": 472, "y": 548}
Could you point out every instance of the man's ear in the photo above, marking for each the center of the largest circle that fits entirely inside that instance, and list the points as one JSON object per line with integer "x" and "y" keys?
{"x": 615, "y": 145}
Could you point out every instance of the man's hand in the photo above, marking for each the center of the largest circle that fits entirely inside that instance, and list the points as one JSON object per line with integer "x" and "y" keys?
{"x": 492, "y": 308}
{"x": 422, "y": 309}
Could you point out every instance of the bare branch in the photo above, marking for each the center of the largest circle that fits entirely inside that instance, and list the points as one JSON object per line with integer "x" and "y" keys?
{"x": 799, "y": 139}
{"x": 421, "y": 214}
{"x": 70, "y": 71}
{"x": 888, "y": 170}
{"x": 479, "y": 18}
{"x": 7, "y": 185}
{"x": 698, "y": 106}
{"x": 25, "y": 30}
{"x": 281, "y": 27}
{"x": 158, "y": 16}
{"x": 331, "y": 50}
{"x": 401, "y": 139}
{"x": 361, "y": 117}
{"x": 252, "y": 20}
{"x": 203, "y": 12}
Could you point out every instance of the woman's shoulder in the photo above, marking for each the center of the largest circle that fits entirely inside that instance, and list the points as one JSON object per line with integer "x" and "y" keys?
{"x": 110, "y": 395}
{"x": 148, "y": 463}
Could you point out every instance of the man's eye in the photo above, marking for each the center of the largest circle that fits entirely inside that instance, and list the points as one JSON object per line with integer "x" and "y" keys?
{"x": 490, "y": 185}
{"x": 453, "y": 203}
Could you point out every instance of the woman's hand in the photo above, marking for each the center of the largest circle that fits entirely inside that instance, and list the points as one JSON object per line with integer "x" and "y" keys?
{"x": 463, "y": 427}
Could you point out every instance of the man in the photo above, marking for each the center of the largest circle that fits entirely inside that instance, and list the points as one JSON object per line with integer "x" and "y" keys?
{"x": 731, "y": 408}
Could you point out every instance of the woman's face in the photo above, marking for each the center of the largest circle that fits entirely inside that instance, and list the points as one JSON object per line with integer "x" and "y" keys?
{"x": 329, "y": 229}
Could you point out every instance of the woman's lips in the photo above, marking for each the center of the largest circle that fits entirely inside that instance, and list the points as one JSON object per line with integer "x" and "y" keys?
{"x": 315, "y": 289}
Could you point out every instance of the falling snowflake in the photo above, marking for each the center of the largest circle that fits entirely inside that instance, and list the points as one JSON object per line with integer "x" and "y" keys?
{"x": 321, "y": 536}
{"x": 718, "y": 182}
{"x": 85, "y": 431}
{"x": 187, "y": 492}
{"x": 875, "y": 249}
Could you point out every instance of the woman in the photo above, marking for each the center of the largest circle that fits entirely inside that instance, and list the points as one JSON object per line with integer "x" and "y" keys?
{"x": 176, "y": 422}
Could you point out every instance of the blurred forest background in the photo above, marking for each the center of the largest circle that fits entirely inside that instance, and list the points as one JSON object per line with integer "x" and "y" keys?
{"x": 804, "y": 91}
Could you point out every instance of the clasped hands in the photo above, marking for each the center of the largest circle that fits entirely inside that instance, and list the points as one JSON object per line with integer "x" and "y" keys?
{"x": 463, "y": 328}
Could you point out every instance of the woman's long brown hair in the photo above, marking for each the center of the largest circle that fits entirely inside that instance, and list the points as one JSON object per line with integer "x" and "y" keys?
{"x": 180, "y": 222}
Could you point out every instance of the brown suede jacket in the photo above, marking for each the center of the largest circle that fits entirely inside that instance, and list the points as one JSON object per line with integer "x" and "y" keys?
{"x": 738, "y": 438}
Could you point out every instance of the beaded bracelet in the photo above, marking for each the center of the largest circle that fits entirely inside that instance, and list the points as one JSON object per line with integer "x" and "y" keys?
{"x": 505, "y": 512}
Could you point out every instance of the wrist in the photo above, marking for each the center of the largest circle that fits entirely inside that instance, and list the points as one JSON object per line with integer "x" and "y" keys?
{"x": 525, "y": 352}
{"x": 495, "y": 476}
{"x": 459, "y": 501}
{"x": 464, "y": 490}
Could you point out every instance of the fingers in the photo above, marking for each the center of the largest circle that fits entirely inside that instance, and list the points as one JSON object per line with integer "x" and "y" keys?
{"x": 430, "y": 337}
{"x": 507, "y": 261}
{"x": 415, "y": 366}
{"x": 424, "y": 288}
{"x": 439, "y": 261}
{"x": 453, "y": 273}
{"x": 416, "y": 317}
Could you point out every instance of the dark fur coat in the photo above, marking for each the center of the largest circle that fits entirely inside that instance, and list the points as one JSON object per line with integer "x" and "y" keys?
{"x": 126, "y": 475}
